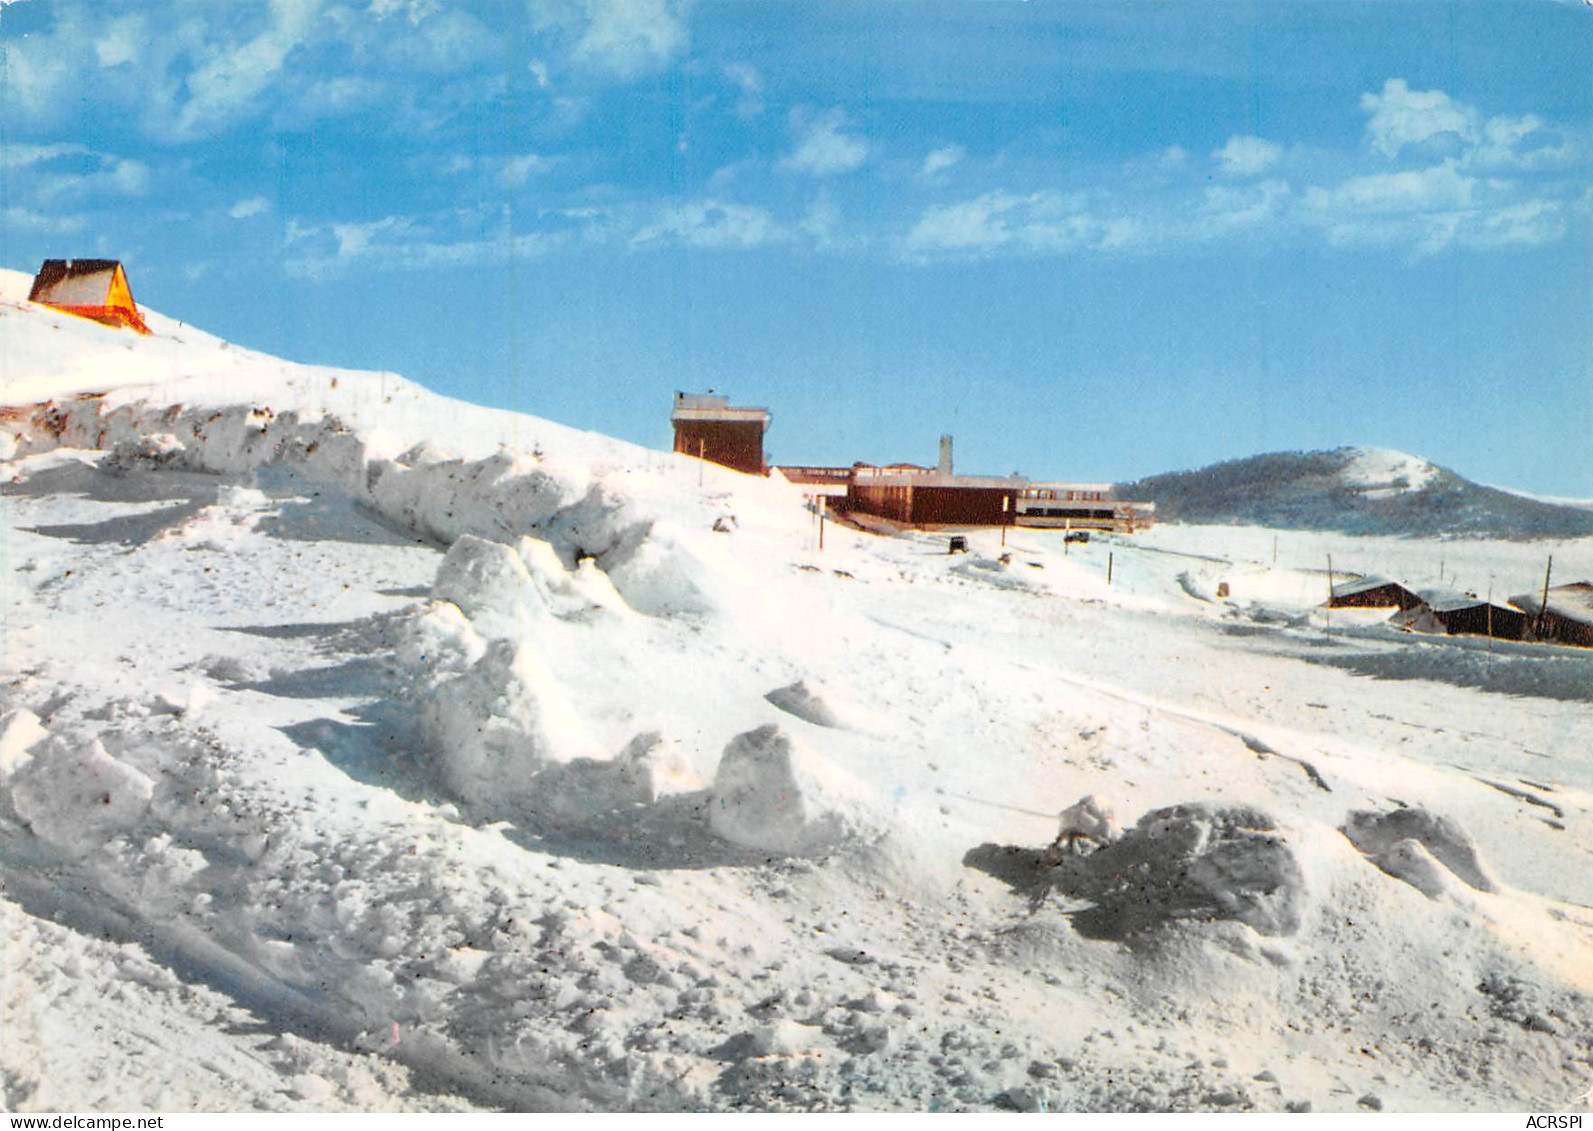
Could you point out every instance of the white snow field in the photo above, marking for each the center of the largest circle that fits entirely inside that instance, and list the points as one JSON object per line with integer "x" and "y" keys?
{"x": 362, "y": 749}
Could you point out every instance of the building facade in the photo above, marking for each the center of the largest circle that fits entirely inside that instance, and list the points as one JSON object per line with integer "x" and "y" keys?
{"x": 707, "y": 427}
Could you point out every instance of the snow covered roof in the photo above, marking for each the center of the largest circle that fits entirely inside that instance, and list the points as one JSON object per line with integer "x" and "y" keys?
{"x": 710, "y": 407}
{"x": 1451, "y": 600}
{"x": 1363, "y": 585}
{"x": 1573, "y": 601}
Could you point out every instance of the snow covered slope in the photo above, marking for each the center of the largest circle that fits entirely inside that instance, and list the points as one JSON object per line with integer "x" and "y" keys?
{"x": 364, "y": 749}
{"x": 1356, "y": 491}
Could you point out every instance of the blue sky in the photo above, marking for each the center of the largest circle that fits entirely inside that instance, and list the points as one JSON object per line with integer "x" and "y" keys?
{"x": 1092, "y": 240}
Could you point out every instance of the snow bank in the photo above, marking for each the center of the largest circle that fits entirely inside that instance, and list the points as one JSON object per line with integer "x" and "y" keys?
{"x": 577, "y": 792}
{"x": 665, "y": 576}
{"x": 77, "y": 797}
{"x": 500, "y": 496}
{"x": 1419, "y": 847}
{"x": 20, "y": 730}
{"x": 492, "y": 587}
{"x": 492, "y": 728}
{"x": 154, "y": 452}
{"x": 772, "y": 793}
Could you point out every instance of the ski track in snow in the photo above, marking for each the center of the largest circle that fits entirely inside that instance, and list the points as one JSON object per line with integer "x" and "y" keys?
{"x": 365, "y": 750}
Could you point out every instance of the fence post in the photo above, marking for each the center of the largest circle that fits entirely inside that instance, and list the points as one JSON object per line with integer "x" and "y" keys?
{"x": 1328, "y": 615}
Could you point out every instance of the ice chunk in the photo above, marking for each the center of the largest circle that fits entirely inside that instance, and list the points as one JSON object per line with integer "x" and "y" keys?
{"x": 771, "y": 792}
{"x": 78, "y": 797}
{"x": 1089, "y": 818}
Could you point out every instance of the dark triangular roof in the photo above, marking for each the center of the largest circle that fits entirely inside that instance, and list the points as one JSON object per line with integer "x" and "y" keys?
{"x": 55, "y": 271}
{"x": 1364, "y": 585}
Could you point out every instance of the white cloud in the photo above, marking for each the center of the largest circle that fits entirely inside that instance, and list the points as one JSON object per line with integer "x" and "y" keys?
{"x": 21, "y": 219}
{"x": 1245, "y": 156}
{"x": 121, "y": 41}
{"x": 1173, "y": 156}
{"x": 942, "y": 158}
{"x": 726, "y": 175}
{"x": 396, "y": 243}
{"x": 354, "y": 240}
{"x": 1440, "y": 188}
{"x": 439, "y": 41}
{"x": 69, "y": 171}
{"x": 822, "y": 221}
{"x": 517, "y": 171}
{"x": 114, "y": 176}
{"x": 228, "y": 83}
{"x": 1402, "y": 117}
{"x": 712, "y": 224}
{"x": 1228, "y": 210}
{"x": 333, "y": 98}
{"x": 1002, "y": 221}
{"x": 1522, "y": 143}
{"x": 1430, "y": 210}
{"x": 1527, "y": 224}
{"x": 823, "y": 148}
{"x": 413, "y": 10}
{"x": 251, "y": 206}
{"x": 749, "y": 81}
{"x": 38, "y": 69}
{"x": 622, "y": 38}
{"x": 1124, "y": 232}
{"x": 981, "y": 224}
{"x": 1053, "y": 223}
{"x": 20, "y": 155}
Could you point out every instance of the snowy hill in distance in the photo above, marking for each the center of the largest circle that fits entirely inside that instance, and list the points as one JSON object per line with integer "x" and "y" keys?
{"x": 1354, "y": 491}
{"x": 361, "y": 749}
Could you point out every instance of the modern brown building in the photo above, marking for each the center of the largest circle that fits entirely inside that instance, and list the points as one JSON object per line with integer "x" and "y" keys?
{"x": 89, "y": 288}
{"x": 922, "y": 497}
{"x": 707, "y": 427}
{"x": 912, "y": 495}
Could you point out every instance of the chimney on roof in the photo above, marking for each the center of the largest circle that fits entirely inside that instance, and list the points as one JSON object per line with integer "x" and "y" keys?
{"x": 944, "y": 467}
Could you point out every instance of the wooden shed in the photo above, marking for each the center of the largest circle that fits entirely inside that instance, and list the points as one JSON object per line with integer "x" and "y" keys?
{"x": 1568, "y": 616}
{"x": 1466, "y": 614}
{"x": 89, "y": 288}
{"x": 706, "y": 426}
{"x": 1373, "y": 593}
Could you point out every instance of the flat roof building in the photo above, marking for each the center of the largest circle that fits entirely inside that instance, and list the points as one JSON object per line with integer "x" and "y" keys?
{"x": 709, "y": 428}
